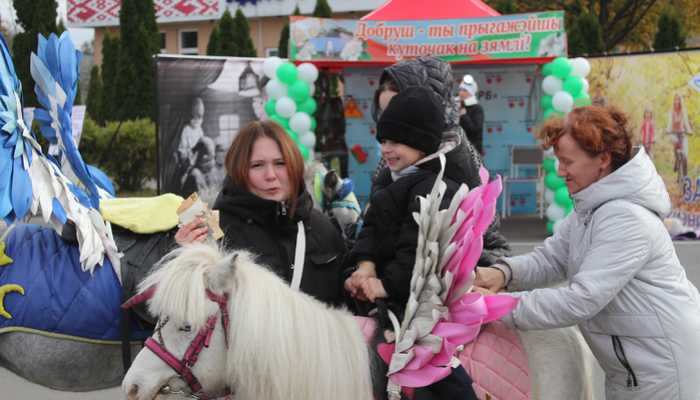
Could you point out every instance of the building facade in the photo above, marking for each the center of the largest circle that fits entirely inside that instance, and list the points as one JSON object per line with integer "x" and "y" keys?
{"x": 185, "y": 26}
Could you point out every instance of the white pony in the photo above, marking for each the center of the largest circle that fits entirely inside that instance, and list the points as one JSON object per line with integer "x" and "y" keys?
{"x": 283, "y": 344}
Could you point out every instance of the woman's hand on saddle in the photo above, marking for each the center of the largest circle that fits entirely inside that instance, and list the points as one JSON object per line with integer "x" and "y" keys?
{"x": 374, "y": 289}
{"x": 191, "y": 233}
{"x": 491, "y": 279}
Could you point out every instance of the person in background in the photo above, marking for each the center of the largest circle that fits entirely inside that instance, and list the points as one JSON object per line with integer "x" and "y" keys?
{"x": 190, "y": 136}
{"x": 264, "y": 208}
{"x": 646, "y": 132}
{"x": 471, "y": 114}
{"x": 436, "y": 74}
{"x": 598, "y": 100}
{"x": 627, "y": 291}
{"x": 199, "y": 176}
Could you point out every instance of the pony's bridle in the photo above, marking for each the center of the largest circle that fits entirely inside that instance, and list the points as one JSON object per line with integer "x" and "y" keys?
{"x": 183, "y": 367}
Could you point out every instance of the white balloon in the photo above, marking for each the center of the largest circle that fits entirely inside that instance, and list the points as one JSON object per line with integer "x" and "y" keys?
{"x": 562, "y": 101}
{"x": 580, "y": 67}
{"x": 551, "y": 85}
{"x": 556, "y": 164}
{"x": 300, "y": 122}
{"x": 307, "y": 72}
{"x": 285, "y": 107}
{"x": 586, "y": 85}
{"x": 308, "y": 139}
{"x": 549, "y": 153}
{"x": 270, "y": 66}
{"x": 549, "y": 196}
{"x": 311, "y": 153}
{"x": 555, "y": 212}
{"x": 556, "y": 226}
{"x": 276, "y": 89}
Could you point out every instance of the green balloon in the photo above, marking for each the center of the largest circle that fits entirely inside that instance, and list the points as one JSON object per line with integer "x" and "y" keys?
{"x": 304, "y": 151}
{"x": 548, "y": 165}
{"x": 547, "y": 69}
{"x": 561, "y": 67}
{"x": 546, "y": 101}
{"x": 553, "y": 182}
{"x": 573, "y": 85}
{"x": 548, "y": 113}
{"x": 299, "y": 91}
{"x": 313, "y": 124}
{"x": 280, "y": 120}
{"x": 582, "y": 99}
{"x": 550, "y": 227}
{"x": 308, "y": 106}
{"x": 287, "y": 72}
{"x": 293, "y": 134}
{"x": 270, "y": 107}
{"x": 561, "y": 197}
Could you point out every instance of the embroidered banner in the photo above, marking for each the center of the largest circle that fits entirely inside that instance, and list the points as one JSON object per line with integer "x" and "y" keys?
{"x": 505, "y": 37}
{"x": 94, "y": 13}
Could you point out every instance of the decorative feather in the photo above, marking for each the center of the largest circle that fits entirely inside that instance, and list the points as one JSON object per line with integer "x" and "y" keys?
{"x": 31, "y": 183}
{"x": 441, "y": 313}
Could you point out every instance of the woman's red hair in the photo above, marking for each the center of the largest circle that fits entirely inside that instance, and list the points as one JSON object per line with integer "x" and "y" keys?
{"x": 597, "y": 130}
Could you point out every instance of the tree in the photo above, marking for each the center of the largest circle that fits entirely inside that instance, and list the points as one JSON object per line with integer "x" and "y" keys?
{"x": 34, "y": 17}
{"x": 213, "y": 41}
{"x": 78, "y": 96}
{"x": 93, "y": 96}
{"x": 505, "y": 7}
{"x": 241, "y": 31}
{"x": 283, "y": 48}
{"x": 88, "y": 47}
{"x": 110, "y": 58}
{"x": 227, "y": 46}
{"x": 322, "y": 10}
{"x": 670, "y": 33}
{"x": 61, "y": 27}
{"x": 586, "y": 36}
{"x": 139, "y": 42}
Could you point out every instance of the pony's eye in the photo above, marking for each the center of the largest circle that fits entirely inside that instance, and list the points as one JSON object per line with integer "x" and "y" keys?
{"x": 186, "y": 327}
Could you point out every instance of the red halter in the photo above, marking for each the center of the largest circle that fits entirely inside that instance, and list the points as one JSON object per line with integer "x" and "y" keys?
{"x": 184, "y": 367}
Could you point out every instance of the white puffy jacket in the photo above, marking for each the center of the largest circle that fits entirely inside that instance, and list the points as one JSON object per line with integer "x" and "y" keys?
{"x": 627, "y": 291}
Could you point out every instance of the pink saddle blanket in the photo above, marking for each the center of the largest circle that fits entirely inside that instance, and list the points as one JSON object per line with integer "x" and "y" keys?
{"x": 496, "y": 361}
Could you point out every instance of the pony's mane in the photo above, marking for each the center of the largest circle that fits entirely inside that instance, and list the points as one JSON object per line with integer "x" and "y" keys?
{"x": 284, "y": 344}
{"x": 182, "y": 278}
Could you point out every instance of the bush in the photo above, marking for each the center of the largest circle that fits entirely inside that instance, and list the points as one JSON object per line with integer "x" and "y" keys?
{"x": 131, "y": 159}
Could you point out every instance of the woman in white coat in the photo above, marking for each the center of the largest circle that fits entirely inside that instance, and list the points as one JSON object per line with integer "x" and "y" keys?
{"x": 627, "y": 291}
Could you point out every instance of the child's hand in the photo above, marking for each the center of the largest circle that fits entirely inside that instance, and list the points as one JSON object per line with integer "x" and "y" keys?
{"x": 364, "y": 271}
{"x": 354, "y": 290}
{"x": 374, "y": 289}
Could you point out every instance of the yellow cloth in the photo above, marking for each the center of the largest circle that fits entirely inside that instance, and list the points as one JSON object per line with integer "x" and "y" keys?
{"x": 142, "y": 214}
{"x": 4, "y": 259}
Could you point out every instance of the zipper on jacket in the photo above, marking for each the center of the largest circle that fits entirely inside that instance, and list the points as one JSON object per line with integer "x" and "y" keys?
{"x": 284, "y": 208}
{"x": 631, "y": 378}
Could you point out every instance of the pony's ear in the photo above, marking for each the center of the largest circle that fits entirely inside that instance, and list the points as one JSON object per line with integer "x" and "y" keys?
{"x": 218, "y": 277}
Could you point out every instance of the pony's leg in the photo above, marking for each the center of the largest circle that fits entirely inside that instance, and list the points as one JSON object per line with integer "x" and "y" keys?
{"x": 62, "y": 364}
{"x": 558, "y": 363}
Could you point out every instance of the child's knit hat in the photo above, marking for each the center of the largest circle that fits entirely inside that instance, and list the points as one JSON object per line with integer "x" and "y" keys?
{"x": 414, "y": 117}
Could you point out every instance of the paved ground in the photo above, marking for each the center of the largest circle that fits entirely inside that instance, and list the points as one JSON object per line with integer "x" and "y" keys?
{"x": 523, "y": 231}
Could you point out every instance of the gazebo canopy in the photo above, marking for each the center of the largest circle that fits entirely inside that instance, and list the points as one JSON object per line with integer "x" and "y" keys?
{"x": 398, "y": 10}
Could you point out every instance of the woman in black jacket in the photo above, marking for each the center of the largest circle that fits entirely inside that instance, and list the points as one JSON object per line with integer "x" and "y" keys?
{"x": 436, "y": 74}
{"x": 471, "y": 114}
{"x": 264, "y": 203}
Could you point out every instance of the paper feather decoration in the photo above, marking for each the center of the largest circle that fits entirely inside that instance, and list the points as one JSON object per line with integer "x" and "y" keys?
{"x": 29, "y": 182}
{"x": 441, "y": 313}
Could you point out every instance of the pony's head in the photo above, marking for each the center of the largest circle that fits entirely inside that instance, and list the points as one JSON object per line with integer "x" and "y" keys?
{"x": 282, "y": 343}
{"x": 187, "y": 291}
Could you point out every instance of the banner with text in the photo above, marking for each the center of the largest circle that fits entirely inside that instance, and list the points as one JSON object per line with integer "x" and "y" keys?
{"x": 661, "y": 93}
{"x": 504, "y": 37}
